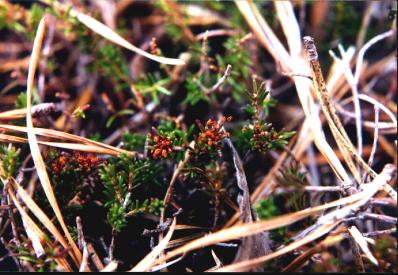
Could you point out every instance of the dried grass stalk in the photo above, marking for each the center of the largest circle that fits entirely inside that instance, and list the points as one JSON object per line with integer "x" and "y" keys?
{"x": 34, "y": 147}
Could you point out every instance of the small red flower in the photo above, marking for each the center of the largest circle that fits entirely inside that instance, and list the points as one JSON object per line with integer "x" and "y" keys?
{"x": 162, "y": 146}
{"x": 212, "y": 133}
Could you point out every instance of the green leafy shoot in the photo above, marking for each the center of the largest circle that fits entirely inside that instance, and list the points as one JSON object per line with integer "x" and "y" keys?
{"x": 153, "y": 86}
{"x": 121, "y": 176}
{"x": 258, "y": 133}
{"x": 21, "y": 101}
{"x": 133, "y": 141}
{"x": 194, "y": 92}
{"x": 124, "y": 112}
{"x": 9, "y": 159}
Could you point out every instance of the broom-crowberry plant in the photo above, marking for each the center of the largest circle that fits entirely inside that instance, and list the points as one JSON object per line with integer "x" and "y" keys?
{"x": 258, "y": 133}
{"x": 121, "y": 178}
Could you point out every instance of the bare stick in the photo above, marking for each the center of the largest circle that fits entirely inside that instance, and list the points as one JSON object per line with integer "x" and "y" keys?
{"x": 204, "y": 67}
{"x": 309, "y": 189}
{"x": 375, "y": 139}
{"x": 381, "y": 232}
{"x": 379, "y": 217}
{"x": 221, "y": 80}
{"x": 82, "y": 245}
{"x": 354, "y": 87}
{"x": 94, "y": 257}
{"x": 373, "y": 101}
{"x": 297, "y": 74}
{"x": 363, "y": 50}
{"x": 213, "y": 33}
{"x": 112, "y": 246}
{"x": 365, "y": 24}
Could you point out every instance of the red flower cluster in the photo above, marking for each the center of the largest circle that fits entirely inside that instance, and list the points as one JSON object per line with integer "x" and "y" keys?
{"x": 85, "y": 161}
{"x": 58, "y": 165}
{"x": 162, "y": 146}
{"x": 212, "y": 133}
{"x": 78, "y": 160}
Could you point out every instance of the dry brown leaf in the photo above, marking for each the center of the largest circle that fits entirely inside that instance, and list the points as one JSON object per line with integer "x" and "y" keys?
{"x": 251, "y": 246}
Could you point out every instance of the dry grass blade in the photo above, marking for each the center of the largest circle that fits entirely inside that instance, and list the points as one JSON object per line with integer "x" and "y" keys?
{"x": 38, "y": 232}
{"x": 109, "y": 34}
{"x": 32, "y": 230}
{"x": 216, "y": 259}
{"x": 263, "y": 32}
{"x": 265, "y": 185}
{"x": 266, "y": 36}
{"x": 40, "y": 109}
{"x": 111, "y": 267}
{"x": 34, "y": 238}
{"x": 295, "y": 60}
{"x": 334, "y": 122}
{"x": 240, "y": 231}
{"x": 170, "y": 189}
{"x": 247, "y": 265}
{"x": 13, "y": 114}
{"x": 354, "y": 87}
{"x": 363, "y": 244}
{"x": 376, "y": 103}
{"x": 362, "y": 51}
{"x": 182, "y": 240}
{"x": 369, "y": 191}
{"x": 34, "y": 147}
{"x": 244, "y": 198}
{"x": 64, "y": 145}
{"x": 110, "y": 135}
{"x": 149, "y": 260}
{"x": 300, "y": 260}
{"x": 40, "y": 215}
{"x": 286, "y": 14}
{"x": 65, "y": 136}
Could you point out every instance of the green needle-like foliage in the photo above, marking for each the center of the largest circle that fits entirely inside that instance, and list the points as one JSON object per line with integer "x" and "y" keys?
{"x": 121, "y": 177}
{"x": 258, "y": 133}
{"x": 9, "y": 159}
